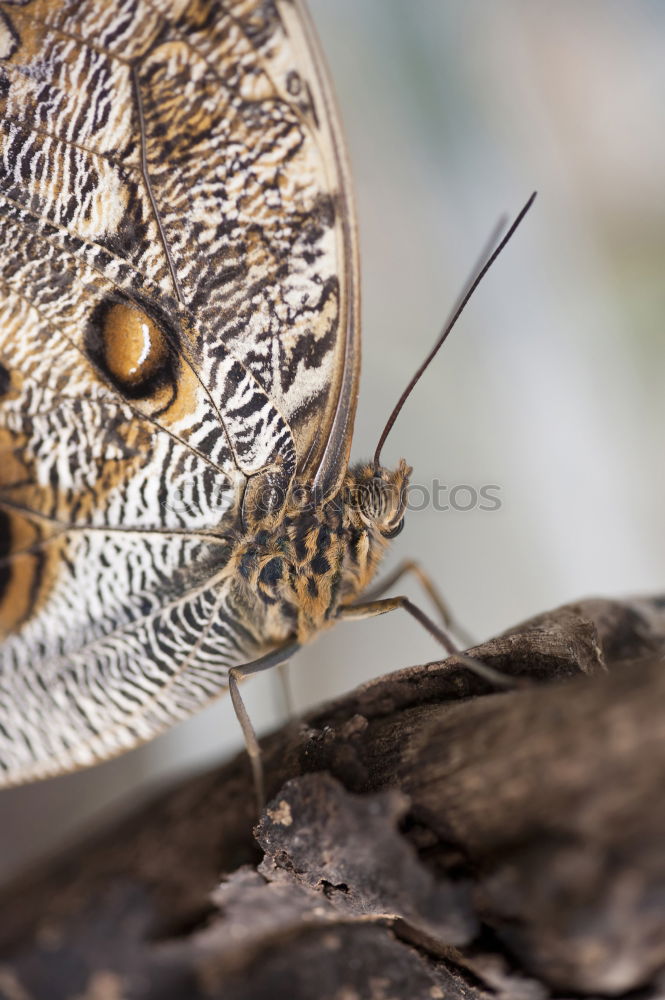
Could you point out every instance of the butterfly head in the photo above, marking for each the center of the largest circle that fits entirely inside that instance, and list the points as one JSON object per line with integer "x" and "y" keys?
{"x": 376, "y": 497}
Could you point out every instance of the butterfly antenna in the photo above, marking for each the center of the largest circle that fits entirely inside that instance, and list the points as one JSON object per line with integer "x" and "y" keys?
{"x": 485, "y": 262}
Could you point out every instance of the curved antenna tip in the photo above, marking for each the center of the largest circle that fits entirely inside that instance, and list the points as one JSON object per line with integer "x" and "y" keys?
{"x": 487, "y": 259}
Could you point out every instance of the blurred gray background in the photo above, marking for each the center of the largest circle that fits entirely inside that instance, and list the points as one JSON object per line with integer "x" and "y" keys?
{"x": 552, "y": 385}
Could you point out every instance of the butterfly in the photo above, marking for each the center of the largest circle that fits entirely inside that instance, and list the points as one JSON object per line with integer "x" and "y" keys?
{"x": 179, "y": 360}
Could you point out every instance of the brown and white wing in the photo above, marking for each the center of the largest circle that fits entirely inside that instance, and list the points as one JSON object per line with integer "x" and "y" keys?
{"x": 177, "y": 296}
{"x": 320, "y": 365}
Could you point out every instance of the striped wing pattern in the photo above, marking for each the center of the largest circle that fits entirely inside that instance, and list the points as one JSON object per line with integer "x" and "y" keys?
{"x": 174, "y": 158}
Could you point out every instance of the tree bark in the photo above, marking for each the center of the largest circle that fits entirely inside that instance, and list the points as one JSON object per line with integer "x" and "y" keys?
{"x": 426, "y": 836}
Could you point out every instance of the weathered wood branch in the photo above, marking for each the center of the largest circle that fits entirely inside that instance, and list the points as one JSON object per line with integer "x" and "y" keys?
{"x": 426, "y": 837}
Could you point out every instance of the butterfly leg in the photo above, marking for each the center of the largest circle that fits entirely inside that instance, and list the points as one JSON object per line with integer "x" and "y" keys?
{"x": 430, "y": 588}
{"x": 369, "y": 609}
{"x": 284, "y": 679}
{"x": 236, "y": 674}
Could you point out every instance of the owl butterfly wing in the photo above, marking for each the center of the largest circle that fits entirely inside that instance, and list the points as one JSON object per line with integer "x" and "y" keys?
{"x": 177, "y": 314}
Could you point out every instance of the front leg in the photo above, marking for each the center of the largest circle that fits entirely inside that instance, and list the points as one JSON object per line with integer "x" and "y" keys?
{"x": 430, "y": 588}
{"x": 273, "y": 659}
{"x": 369, "y": 609}
{"x": 357, "y": 612}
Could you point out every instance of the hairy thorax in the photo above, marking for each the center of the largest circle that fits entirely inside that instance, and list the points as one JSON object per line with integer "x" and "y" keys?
{"x": 295, "y": 577}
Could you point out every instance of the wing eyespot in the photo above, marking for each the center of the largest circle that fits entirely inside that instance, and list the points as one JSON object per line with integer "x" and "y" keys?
{"x": 5, "y": 380}
{"x": 5, "y": 549}
{"x": 133, "y": 349}
{"x": 24, "y": 579}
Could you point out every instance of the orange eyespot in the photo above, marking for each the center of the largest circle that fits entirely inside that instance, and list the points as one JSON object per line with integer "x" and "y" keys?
{"x": 24, "y": 570}
{"x": 135, "y": 349}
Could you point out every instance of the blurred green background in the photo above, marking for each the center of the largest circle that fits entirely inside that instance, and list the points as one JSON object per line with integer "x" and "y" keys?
{"x": 552, "y": 386}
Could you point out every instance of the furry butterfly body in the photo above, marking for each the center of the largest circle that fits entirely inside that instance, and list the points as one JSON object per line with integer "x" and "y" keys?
{"x": 179, "y": 352}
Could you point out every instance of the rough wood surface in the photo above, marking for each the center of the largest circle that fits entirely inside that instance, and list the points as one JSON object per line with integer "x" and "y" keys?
{"x": 426, "y": 837}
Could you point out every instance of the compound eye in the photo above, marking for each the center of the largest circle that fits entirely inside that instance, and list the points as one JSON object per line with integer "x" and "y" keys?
{"x": 394, "y": 532}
